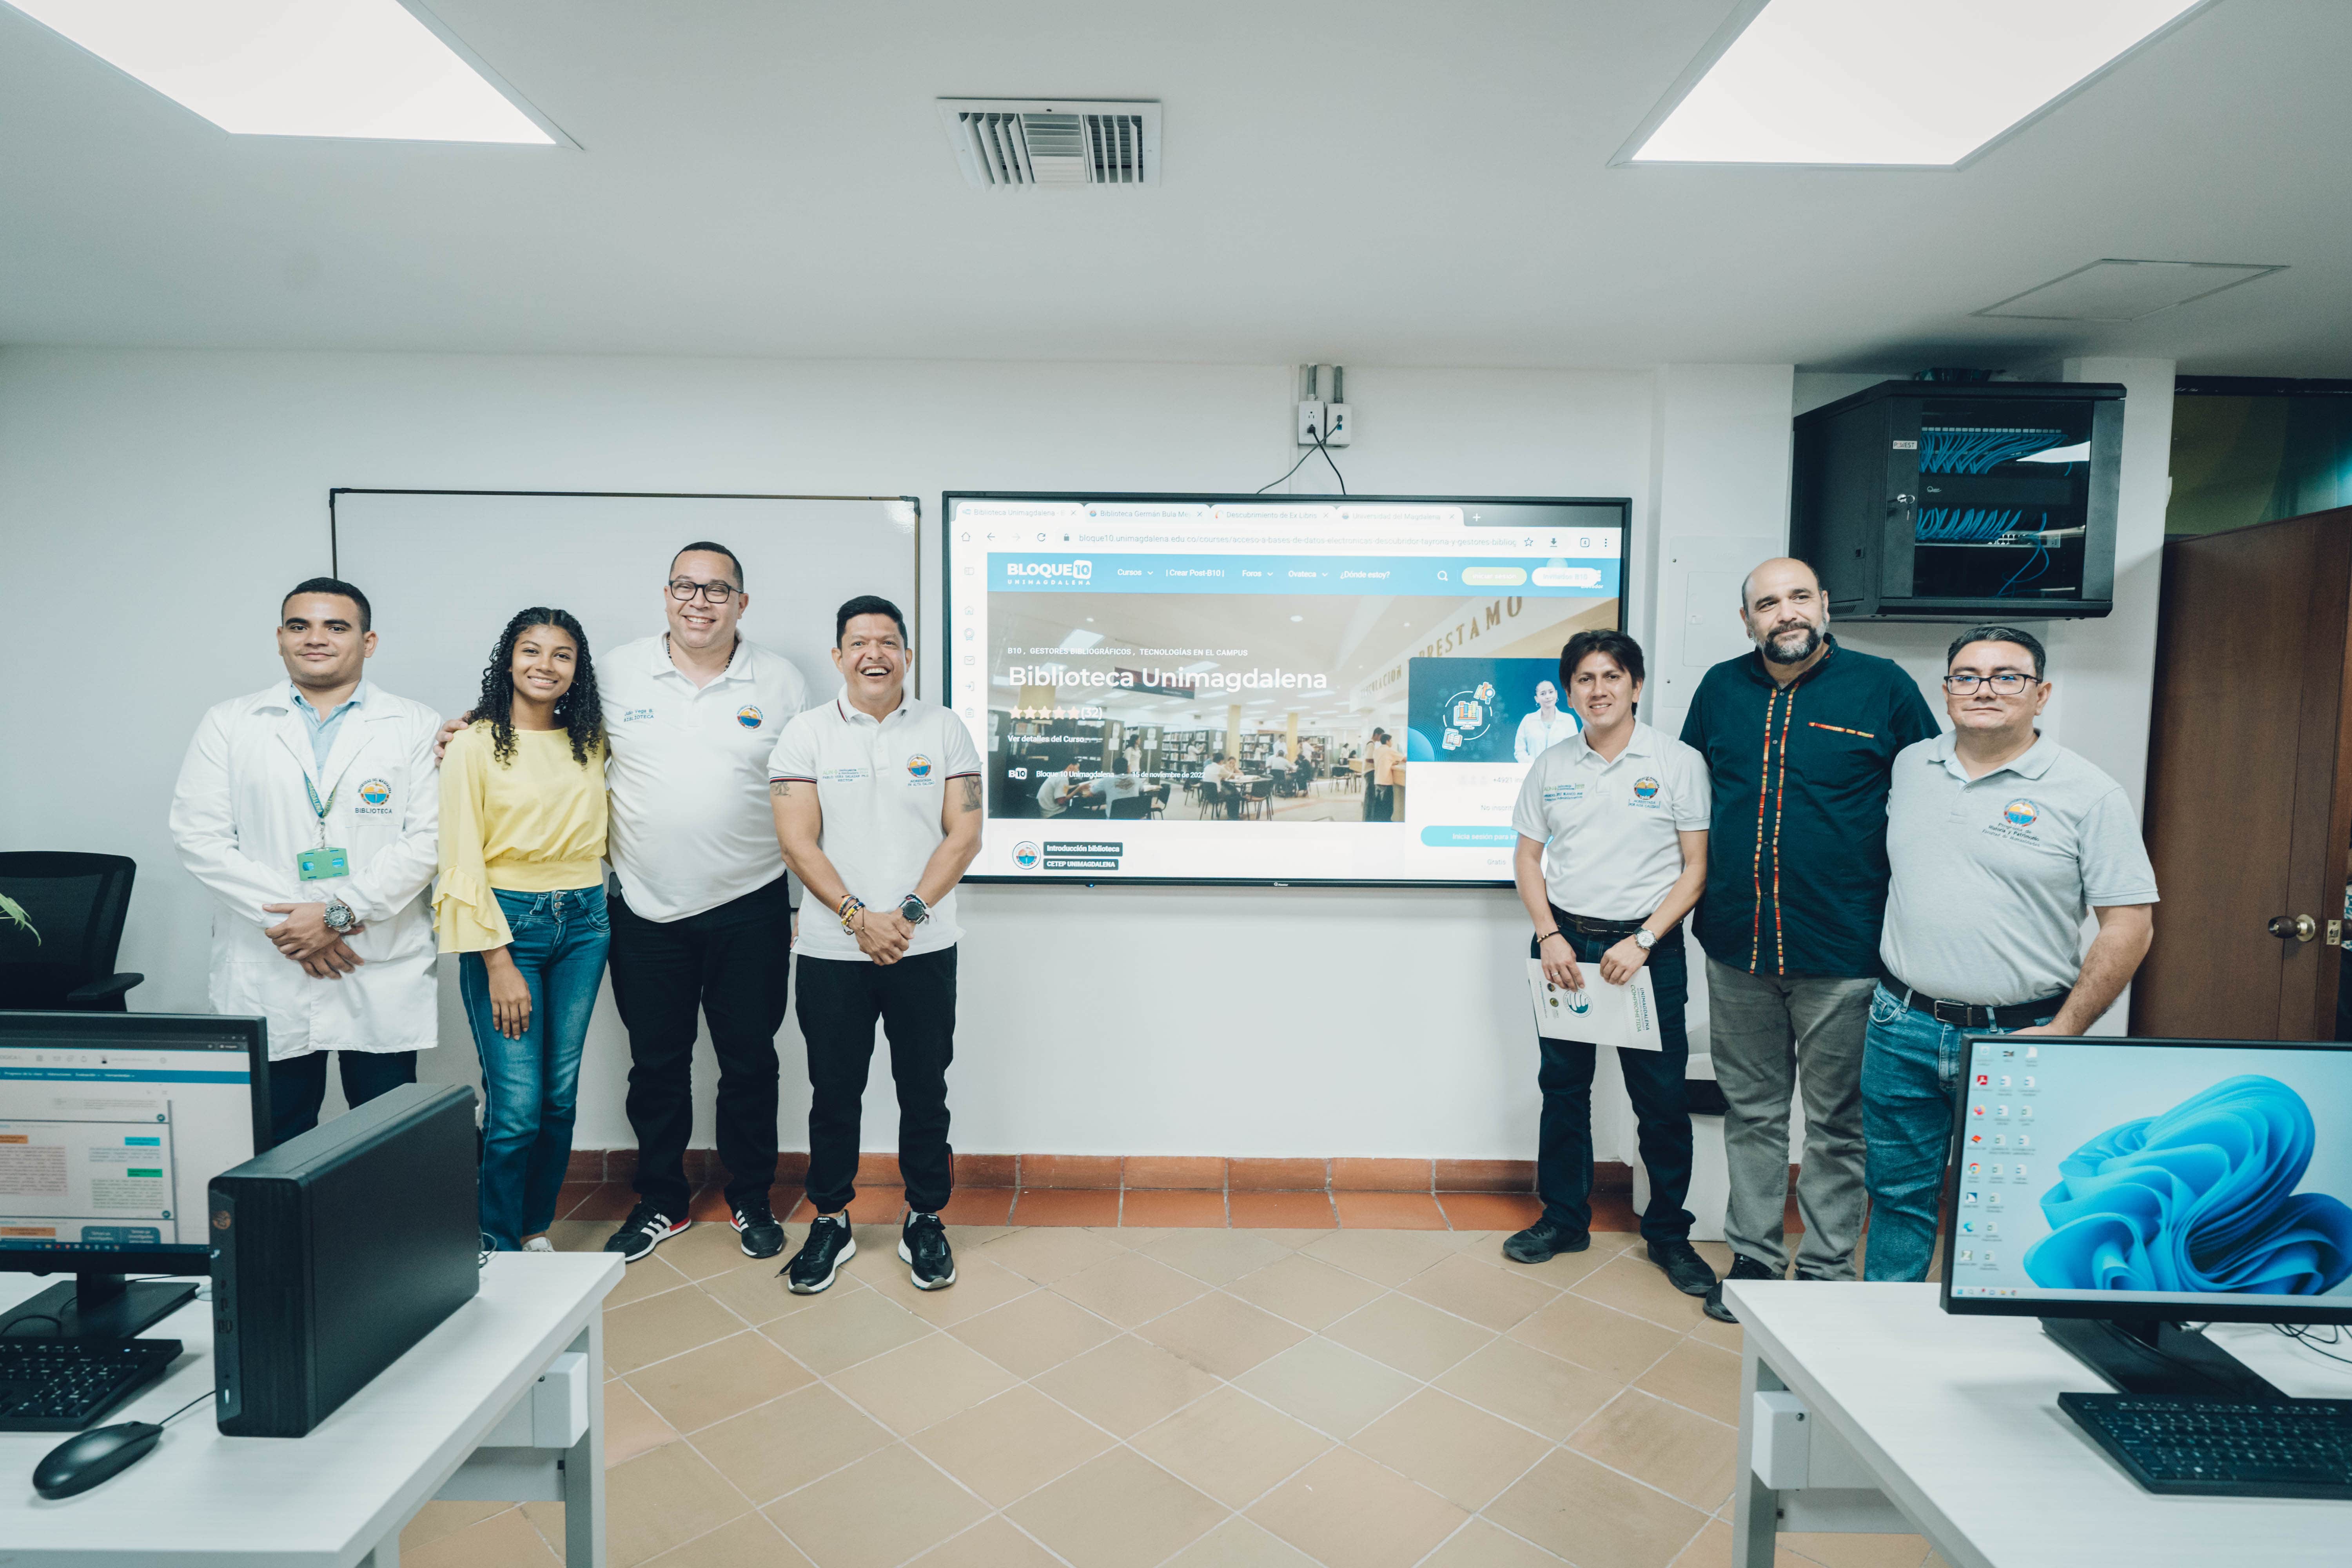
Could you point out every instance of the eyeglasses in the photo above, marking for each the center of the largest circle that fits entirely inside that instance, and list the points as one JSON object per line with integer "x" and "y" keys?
{"x": 712, "y": 592}
{"x": 2005, "y": 684}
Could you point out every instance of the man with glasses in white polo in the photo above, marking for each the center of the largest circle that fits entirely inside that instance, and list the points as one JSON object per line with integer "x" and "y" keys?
{"x": 703, "y": 920}
{"x": 701, "y": 909}
{"x": 2003, "y": 843}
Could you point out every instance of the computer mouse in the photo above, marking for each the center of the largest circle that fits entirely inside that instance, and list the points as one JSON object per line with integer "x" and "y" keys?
{"x": 86, "y": 1458}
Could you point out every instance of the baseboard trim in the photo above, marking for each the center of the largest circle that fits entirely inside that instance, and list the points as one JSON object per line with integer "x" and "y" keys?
{"x": 1154, "y": 1172}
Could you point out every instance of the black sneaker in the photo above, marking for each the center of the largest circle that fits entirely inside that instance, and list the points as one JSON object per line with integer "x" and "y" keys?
{"x": 756, "y": 1223}
{"x": 1686, "y": 1269}
{"x": 645, "y": 1229}
{"x": 1742, "y": 1267}
{"x": 1540, "y": 1241}
{"x": 829, "y": 1244}
{"x": 923, "y": 1248}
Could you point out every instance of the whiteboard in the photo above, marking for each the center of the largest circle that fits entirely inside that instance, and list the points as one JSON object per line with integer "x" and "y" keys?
{"x": 443, "y": 570}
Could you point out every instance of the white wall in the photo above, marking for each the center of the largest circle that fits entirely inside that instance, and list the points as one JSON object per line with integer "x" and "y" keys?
{"x": 155, "y": 504}
{"x": 2100, "y": 668}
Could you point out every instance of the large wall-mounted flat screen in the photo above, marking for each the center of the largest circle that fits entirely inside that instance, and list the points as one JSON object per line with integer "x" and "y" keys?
{"x": 1254, "y": 689}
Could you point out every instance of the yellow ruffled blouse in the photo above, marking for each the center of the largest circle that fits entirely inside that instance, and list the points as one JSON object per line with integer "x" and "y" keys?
{"x": 533, "y": 825}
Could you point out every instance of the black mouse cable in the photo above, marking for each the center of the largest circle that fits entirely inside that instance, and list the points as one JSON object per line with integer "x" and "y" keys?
{"x": 184, "y": 1409}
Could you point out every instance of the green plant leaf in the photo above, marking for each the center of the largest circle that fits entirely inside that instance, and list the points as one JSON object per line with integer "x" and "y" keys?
{"x": 13, "y": 913}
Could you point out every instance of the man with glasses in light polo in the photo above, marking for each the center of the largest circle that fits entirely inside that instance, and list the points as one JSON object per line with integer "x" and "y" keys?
{"x": 2001, "y": 842}
{"x": 703, "y": 919}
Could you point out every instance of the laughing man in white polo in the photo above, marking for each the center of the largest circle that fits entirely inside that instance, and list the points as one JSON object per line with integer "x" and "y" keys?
{"x": 877, "y": 807}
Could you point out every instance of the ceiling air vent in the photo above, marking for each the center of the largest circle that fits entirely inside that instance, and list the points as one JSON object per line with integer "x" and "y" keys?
{"x": 1009, "y": 143}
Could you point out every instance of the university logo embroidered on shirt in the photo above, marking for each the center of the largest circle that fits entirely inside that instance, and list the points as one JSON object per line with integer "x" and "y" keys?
{"x": 1645, "y": 793}
{"x": 2017, "y": 820}
{"x": 375, "y": 799}
{"x": 748, "y": 715}
{"x": 918, "y": 768}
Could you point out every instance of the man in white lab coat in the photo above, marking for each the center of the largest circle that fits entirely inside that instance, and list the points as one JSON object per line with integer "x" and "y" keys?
{"x": 310, "y": 810}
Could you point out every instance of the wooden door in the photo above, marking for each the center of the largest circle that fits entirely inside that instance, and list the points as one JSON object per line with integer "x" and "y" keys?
{"x": 2248, "y": 804}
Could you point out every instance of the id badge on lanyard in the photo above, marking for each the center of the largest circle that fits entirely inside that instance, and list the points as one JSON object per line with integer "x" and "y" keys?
{"x": 325, "y": 862}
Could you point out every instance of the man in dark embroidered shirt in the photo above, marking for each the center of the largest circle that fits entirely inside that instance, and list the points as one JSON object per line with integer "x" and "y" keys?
{"x": 1798, "y": 738}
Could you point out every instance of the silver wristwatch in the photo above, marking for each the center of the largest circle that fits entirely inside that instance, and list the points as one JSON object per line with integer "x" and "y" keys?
{"x": 339, "y": 916}
{"x": 1644, "y": 939}
{"x": 913, "y": 910}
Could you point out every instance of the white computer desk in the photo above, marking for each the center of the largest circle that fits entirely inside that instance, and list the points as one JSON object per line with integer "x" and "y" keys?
{"x": 452, "y": 1418}
{"x": 1950, "y": 1427}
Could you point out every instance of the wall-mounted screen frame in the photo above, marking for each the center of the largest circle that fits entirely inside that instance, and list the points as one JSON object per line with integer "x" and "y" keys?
{"x": 1264, "y": 690}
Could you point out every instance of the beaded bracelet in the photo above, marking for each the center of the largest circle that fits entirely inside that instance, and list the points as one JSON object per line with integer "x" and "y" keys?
{"x": 851, "y": 907}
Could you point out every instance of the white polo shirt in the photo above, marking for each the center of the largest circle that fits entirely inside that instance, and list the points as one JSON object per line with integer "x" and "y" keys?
{"x": 879, "y": 785}
{"x": 690, "y": 824}
{"x": 1608, "y": 829}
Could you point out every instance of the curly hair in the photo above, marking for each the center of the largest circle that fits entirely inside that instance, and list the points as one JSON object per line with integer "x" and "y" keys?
{"x": 580, "y": 711}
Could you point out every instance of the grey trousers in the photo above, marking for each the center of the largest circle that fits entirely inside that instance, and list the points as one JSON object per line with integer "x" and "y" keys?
{"x": 1772, "y": 1036}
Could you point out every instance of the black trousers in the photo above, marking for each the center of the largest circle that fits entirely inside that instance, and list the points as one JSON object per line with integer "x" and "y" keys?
{"x": 1653, "y": 1082}
{"x": 733, "y": 964}
{"x": 915, "y": 1000}
{"x": 297, "y": 1086}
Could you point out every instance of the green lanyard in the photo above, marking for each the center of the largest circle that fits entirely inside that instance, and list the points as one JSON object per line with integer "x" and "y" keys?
{"x": 322, "y": 809}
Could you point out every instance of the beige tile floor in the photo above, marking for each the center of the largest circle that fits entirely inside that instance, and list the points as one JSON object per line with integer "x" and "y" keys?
{"x": 1129, "y": 1398}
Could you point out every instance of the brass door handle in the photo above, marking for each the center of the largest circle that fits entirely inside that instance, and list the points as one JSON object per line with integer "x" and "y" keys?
{"x": 2302, "y": 927}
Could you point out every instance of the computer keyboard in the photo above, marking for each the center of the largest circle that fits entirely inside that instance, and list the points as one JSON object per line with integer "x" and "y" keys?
{"x": 63, "y": 1385}
{"x": 2223, "y": 1447}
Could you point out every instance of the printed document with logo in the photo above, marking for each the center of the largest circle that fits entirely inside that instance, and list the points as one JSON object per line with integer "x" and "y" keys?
{"x": 1600, "y": 1014}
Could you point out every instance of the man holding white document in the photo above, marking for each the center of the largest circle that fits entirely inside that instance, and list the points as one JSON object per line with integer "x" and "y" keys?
{"x": 1611, "y": 856}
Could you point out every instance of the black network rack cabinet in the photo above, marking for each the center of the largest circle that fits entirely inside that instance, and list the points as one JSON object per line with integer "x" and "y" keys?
{"x": 1921, "y": 501}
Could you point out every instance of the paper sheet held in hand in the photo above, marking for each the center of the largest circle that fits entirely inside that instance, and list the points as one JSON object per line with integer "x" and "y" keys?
{"x": 1601, "y": 1014}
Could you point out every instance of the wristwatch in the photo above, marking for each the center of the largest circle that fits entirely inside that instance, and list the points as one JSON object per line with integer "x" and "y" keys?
{"x": 339, "y": 915}
{"x": 1644, "y": 939}
{"x": 913, "y": 910}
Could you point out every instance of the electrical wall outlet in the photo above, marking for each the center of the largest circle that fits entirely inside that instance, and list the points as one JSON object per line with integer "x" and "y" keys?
{"x": 1310, "y": 421}
{"x": 1336, "y": 427}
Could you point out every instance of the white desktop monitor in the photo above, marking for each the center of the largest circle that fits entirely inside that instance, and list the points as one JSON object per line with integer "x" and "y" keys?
{"x": 112, "y": 1126}
{"x": 2151, "y": 1180}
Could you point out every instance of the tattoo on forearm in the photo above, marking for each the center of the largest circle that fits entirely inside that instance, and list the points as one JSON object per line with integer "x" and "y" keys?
{"x": 972, "y": 795}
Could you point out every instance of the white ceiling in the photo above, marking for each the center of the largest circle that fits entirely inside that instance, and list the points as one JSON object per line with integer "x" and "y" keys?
{"x": 1377, "y": 182}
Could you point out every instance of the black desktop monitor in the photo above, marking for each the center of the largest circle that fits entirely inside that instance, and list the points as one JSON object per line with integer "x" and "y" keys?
{"x": 2120, "y": 1188}
{"x": 112, "y": 1126}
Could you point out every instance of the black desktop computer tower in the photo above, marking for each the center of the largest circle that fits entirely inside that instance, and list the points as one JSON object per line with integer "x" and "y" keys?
{"x": 1927, "y": 500}
{"x": 337, "y": 1251}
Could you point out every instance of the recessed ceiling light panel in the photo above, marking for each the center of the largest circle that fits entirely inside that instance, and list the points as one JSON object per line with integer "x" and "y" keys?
{"x": 368, "y": 68}
{"x": 2117, "y": 291}
{"x": 1888, "y": 83}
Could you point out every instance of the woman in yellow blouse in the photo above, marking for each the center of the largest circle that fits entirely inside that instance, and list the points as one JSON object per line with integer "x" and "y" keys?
{"x": 521, "y": 899}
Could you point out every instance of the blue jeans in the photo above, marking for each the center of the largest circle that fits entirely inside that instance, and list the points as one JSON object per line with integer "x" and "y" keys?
{"x": 530, "y": 1087}
{"x": 1653, "y": 1082}
{"x": 1909, "y": 1064}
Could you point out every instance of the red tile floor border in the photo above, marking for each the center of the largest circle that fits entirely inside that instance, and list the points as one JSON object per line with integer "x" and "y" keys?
{"x": 1282, "y": 1211}
{"x": 1147, "y": 1206}
{"x": 1151, "y": 1207}
{"x": 1066, "y": 1205}
{"x": 1388, "y": 1211}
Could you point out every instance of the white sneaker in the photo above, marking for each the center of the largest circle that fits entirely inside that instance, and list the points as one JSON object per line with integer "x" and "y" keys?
{"x": 539, "y": 1244}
